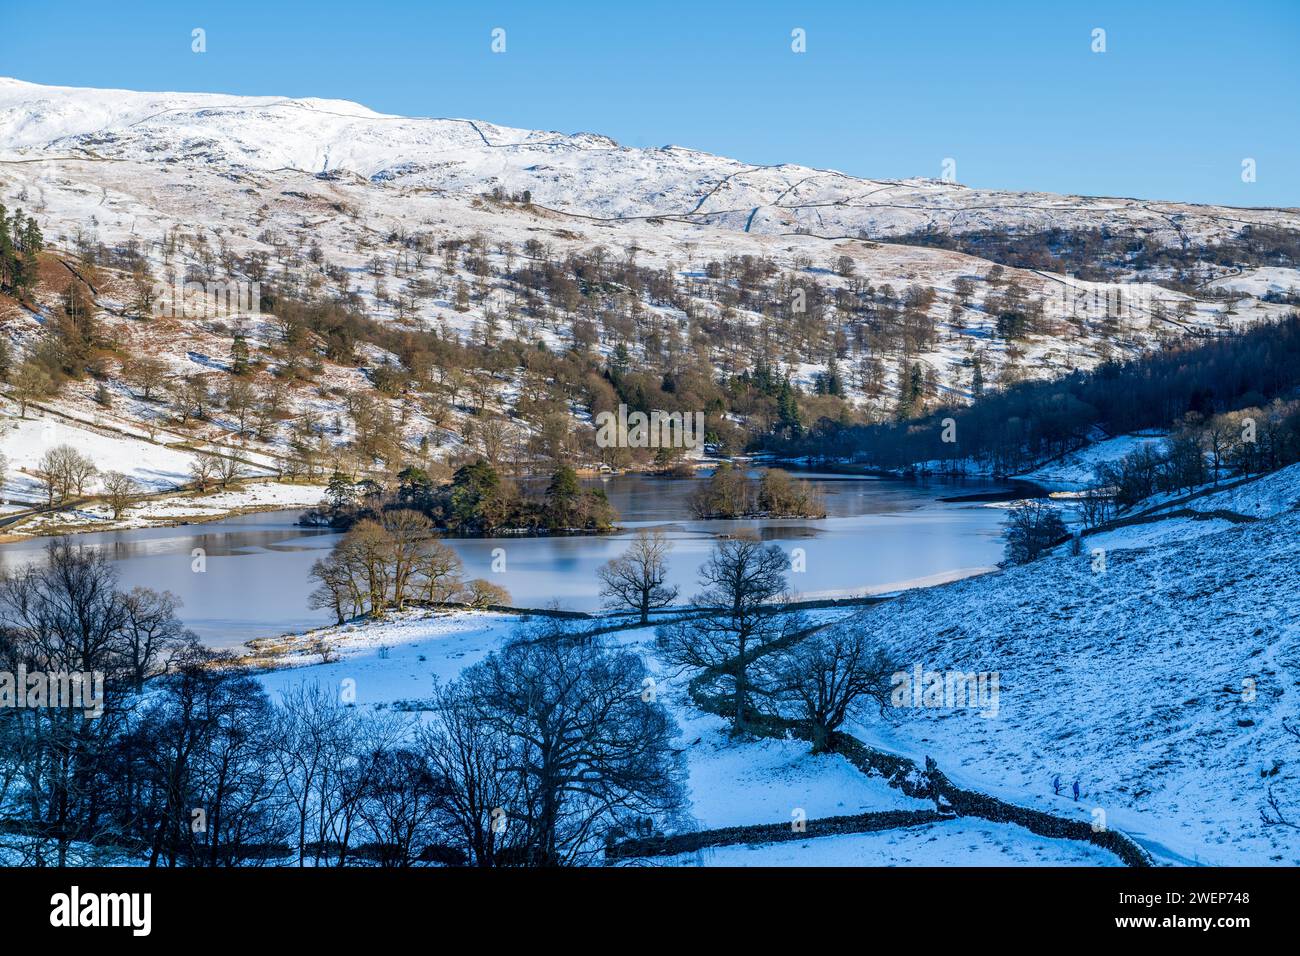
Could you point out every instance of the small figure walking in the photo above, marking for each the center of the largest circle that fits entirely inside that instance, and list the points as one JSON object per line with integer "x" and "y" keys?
{"x": 1056, "y": 785}
{"x": 1076, "y": 790}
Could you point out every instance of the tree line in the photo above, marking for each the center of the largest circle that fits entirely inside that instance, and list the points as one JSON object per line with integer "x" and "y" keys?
{"x": 476, "y": 500}
{"x": 1027, "y": 423}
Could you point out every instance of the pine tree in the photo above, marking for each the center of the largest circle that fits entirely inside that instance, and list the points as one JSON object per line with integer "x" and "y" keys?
{"x": 239, "y": 356}
{"x": 787, "y": 406}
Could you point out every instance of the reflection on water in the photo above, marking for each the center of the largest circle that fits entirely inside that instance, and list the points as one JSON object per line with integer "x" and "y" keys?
{"x": 255, "y": 583}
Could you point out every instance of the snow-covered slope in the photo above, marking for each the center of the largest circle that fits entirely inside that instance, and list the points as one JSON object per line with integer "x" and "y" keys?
{"x": 1078, "y": 469}
{"x": 1161, "y": 683}
{"x": 581, "y": 173}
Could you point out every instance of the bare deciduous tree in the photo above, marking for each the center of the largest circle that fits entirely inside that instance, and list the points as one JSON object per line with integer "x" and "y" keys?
{"x": 636, "y": 579}
{"x": 471, "y": 764}
{"x": 738, "y": 582}
{"x": 437, "y": 572}
{"x": 482, "y": 593}
{"x": 64, "y": 472}
{"x": 119, "y": 489}
{"x": 830, "y": 675}
{"x": 587, "y": 753}
{"x": 203, "y": 469}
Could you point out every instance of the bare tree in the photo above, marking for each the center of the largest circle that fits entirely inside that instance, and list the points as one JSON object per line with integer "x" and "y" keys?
{"x": 314, "y": 737}
{"x": 636, "y": 579}
{"x": 31, "y": 382}
{"x": 400, "y": 804}
{"x": 1096, "y": 506}
{"x": 241, "y": 402}
{"x": 147, "y": 375}
{"x": 408, "y": 533}
{"x": 738, "y": 583}
{"x": 153, "y": 634}
{"x": 437, "y": 572}
{"x": 203, "y": 469}
{"x": 1032, "y": 528}
{"x": 471, "y": 763}
{"x": 337, "y": 589}
{"x": 830, "y": 675}
{"x": 119, "y": 489}
{"x": 1276, "y": 815}
{"x": 482, "y": 593}
{"x": 192, "y": 398}
{"x": 229, "y": 469}
{"x": 63, "y": 616}
{"x": 588, "y": 753}
{"x": 64, "y": 472}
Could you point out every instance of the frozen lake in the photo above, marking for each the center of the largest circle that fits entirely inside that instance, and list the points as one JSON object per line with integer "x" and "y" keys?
{"x": 878, "y": 534}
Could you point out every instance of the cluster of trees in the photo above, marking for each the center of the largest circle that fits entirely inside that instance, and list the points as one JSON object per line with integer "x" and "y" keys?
{"x": 1032, "y": 528}
{"x": 1199, "y": 452}
{"x": 736, "y": 315}
{"x": 20, "y": 241}
{"x": 732, "y": 493}
{"x": 476, "y": 500}
{"x": 534, "y": 757}
{"x": 1030, "y": 422}
{"x": 220, "y": 467}
{"x": 713, "y": 337}
{"x": 73, "y": 345}
{"x": 1201, "y": 449}
{"x": 62, "y": 768}
{"x": 385, "y": 562}
{"x": 64, "y": 473}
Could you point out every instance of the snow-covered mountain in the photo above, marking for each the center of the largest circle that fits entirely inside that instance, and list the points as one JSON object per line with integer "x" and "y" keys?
{"x": 581, "y": 173}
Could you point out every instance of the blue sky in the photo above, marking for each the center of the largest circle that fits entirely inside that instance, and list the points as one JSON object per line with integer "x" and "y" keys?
{"x": 1012, "y": 91}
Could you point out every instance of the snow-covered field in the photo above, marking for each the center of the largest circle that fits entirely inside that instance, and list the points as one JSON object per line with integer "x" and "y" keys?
{"x": 24, "y": 440}
{"x": 392, "y": 661}
{"x": 1258, "y": 282}
{"x": 1166, "y": 531}
{"x": 1267, "y": 496}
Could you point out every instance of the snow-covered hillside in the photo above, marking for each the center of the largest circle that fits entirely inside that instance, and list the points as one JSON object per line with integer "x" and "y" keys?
{"x": 581, "y": 173}
{"x": 1159, "y": 678}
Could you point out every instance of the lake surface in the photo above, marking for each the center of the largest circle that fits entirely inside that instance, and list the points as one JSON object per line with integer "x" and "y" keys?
{"x": 878, "y": 534}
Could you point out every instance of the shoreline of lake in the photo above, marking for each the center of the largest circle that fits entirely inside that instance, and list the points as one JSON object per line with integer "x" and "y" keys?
{"x": 255, "y": 573}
